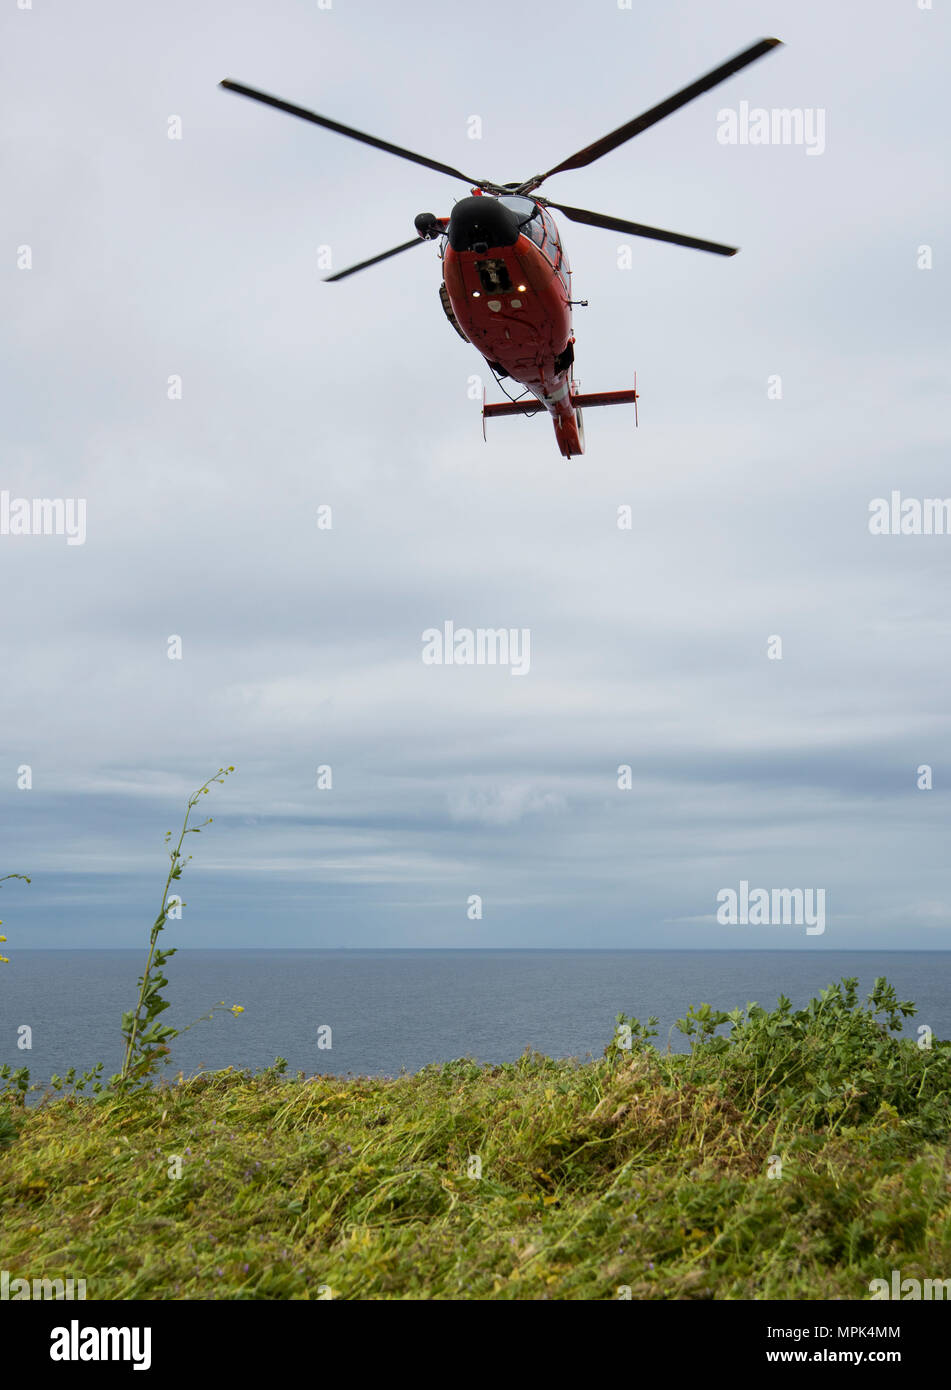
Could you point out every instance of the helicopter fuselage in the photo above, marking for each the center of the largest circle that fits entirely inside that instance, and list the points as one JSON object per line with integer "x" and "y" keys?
{"x": 512, "y": 300}
{"x": 509, "y": 286}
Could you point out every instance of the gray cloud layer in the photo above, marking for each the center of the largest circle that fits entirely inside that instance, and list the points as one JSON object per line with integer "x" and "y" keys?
{"x": 302, "y": 647}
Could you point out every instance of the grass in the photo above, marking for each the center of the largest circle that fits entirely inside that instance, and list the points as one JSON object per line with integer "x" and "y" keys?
{"x": 640, "y": 1170}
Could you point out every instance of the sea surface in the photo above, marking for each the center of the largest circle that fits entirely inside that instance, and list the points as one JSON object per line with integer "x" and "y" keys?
{"x": 390, "y": 1011}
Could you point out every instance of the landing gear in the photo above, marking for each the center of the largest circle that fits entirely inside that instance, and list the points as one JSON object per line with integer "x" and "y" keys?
{"x": 565, "y": 358}
{"x": 444, "y": 301}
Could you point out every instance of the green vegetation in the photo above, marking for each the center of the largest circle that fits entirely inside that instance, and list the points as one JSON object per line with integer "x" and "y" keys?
{"x": 642, "y": 1169}
{"x": 5, "y": 960}
{"x": 146, "y": 1040}
{"x": 798, "y": 1154}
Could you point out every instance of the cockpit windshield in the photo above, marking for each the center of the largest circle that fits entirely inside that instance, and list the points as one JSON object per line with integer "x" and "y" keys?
{"x": 523, "y": 208}
{"x": 529, "y": 216}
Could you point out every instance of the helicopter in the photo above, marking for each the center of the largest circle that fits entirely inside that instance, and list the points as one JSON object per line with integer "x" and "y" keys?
{"x": 506, "y": 285}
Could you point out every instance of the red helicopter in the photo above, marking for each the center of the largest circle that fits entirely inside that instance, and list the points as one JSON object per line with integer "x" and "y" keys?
{"x": 506, "y": 281}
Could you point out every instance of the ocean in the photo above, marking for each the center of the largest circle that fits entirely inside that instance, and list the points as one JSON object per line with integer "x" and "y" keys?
{"x": 395, "y": 1010}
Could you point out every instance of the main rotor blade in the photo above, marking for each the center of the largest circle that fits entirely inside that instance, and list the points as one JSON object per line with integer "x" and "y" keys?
{"x": 657, "y": 113}
{"x": 617, "y": 224}
{"x": 384, "y": 256}
{"x": 312, "y": 116}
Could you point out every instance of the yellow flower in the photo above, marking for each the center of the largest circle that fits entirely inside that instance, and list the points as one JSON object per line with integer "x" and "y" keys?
{"x": 5, "y": 960}
{"x": 237, "y": 1009}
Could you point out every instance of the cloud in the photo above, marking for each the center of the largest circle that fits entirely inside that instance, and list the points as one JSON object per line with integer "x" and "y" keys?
{"x": 504, "y": 805}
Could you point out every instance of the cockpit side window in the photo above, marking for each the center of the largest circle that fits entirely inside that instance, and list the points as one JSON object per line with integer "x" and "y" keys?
{"x": 535, "y": 229}
{"x": 555, "y": 247}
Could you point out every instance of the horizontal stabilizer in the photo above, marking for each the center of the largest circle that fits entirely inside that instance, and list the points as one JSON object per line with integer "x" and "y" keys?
{"x": 529, "y": 407}
{"x": 604, "y": 398}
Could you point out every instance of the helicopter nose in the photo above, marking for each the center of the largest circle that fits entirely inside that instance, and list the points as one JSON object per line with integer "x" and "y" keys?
{"x": 478, "y": 224}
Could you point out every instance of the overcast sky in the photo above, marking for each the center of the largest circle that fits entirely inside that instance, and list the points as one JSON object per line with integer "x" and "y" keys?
{"x": 301, "y": 647}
